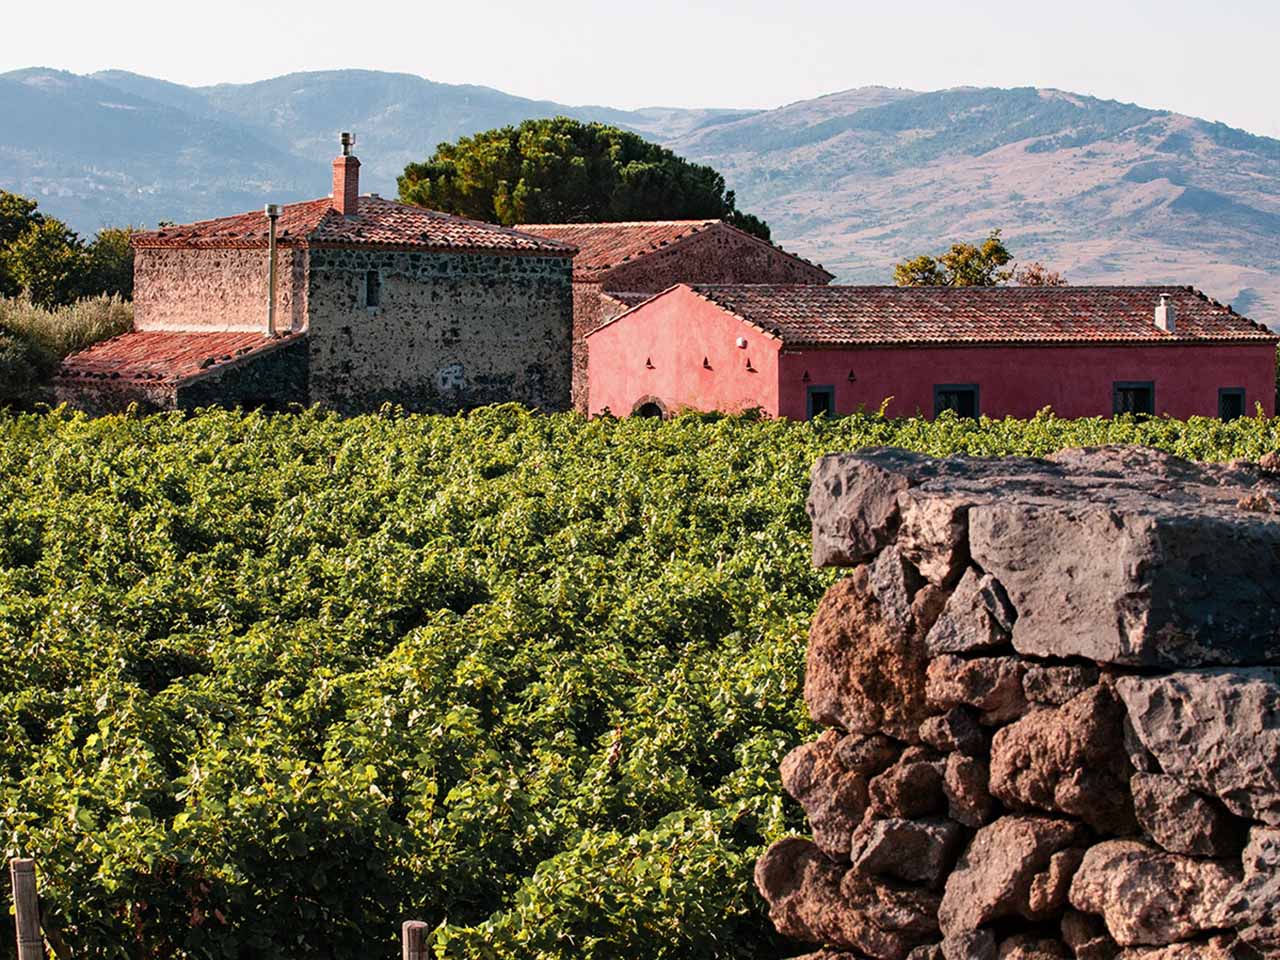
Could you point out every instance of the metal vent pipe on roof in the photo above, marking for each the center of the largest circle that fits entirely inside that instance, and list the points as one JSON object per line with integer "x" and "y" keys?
{"x": 272, "y": 211}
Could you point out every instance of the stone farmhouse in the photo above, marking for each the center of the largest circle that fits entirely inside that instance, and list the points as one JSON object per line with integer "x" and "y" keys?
{"x": 800, "y": 351}
{"x": 621, "y": 264}
{"x": 349, "y": 301}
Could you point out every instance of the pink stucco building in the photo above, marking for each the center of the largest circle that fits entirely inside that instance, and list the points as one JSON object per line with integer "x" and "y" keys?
{"x": 797, "y": 351}
{"x": 621, "y": 264}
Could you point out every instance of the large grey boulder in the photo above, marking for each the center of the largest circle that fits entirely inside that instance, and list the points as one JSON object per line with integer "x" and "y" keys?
{"x": 1120, "y": 555}
{"x": 1216, "y": 730}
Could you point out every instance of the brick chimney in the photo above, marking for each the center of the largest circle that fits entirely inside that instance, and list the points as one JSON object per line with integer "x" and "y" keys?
{"x": 346, "y": 179}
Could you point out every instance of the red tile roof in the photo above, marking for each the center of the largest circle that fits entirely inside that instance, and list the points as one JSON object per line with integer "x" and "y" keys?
{"x": 378, "y": 222}
{"x": 164, "y": 356}
{"x": 603, "y": 246}
{"x": 874, "y": 316}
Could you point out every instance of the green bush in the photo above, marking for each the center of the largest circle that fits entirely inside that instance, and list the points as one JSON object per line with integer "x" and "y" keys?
{"x": 60, "y": 331}
{"x": 271, "y": 685}
{"x": 23, "y": 368}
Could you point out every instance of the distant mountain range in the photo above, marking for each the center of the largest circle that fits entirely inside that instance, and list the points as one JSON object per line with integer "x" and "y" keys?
{"x": 1103, "y": 191}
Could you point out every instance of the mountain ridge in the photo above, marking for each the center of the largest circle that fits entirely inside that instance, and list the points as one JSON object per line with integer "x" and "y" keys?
{"x": 857, "y": 179}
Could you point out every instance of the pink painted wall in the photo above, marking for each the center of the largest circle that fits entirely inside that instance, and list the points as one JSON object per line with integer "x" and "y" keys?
{"x": 678, "y": 329}
{"x": 676, "y": 332}
{"x": 1018, "y": 381}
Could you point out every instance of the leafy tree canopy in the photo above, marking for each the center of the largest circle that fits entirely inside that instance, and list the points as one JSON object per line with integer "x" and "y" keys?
{"x": 964, "y": 265}
{"x": 43, "y": 257}
{"x": 974, "y": 265}
{"x": 565, "y": 171}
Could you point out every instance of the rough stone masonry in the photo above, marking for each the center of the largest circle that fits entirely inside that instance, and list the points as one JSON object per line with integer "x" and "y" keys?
{"x": 1051, "y": 694}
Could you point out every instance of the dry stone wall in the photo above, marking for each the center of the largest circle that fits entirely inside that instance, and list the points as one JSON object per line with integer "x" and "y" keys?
{"x": 1051, "y": 694}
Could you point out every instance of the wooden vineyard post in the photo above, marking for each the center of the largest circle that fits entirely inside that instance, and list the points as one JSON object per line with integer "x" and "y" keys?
{"x": 26, "y": 909}
{"x": 413, "y": 934}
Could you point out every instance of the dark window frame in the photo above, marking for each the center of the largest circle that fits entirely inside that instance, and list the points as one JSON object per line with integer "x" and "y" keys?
{"x": 940, "y": 388}
{"x": 821, "y": 389}
{"x": 1119, "y": 385}
{"x": 1224, "y": 392}
{"x": 372, "y": 288}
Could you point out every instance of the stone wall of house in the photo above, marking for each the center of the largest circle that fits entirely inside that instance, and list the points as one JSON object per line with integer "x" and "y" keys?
{"x": 200, "y": 289}
{"x": 271, "y": 378}
{"x": 719, "y": 254}
{"x": 1050, "y": 690}
{"x": 590, "y": 309}
{"x": 105, "y": 397}
{"x": 451, "y": 331}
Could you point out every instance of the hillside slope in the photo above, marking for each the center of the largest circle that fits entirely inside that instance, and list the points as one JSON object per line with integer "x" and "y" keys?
{"x": 1104, "y": 191}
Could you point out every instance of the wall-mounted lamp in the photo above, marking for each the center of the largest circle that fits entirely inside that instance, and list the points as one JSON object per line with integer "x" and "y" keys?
{"x": 648, "y": 363}
{"x": 706, "y": 363}
{"x": 750, "y": 368}
{"x": 742, "y": 343}
{"x": 853, "y": 378}
{"x": 805, "y": 378}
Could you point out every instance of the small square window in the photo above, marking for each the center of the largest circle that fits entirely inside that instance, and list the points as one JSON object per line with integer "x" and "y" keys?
{"x": 1133, "y": 396}
{"x": 962, "y": 398}
{"x": 1230, "y": 403}
{"x": 372, "y": 289}
{"x": 821, "y": 402}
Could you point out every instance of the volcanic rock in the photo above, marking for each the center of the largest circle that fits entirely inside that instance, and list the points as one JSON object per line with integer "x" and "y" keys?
{"x": 814, "y": 900}
{"x": 1257, "y": 899}
{"x": 1215, "y": 948}
{"x": 964, "y": 782}
{"x": 992, "y": 685}
{"x": 1216, "y": 730}
{"x": 1068, "y": 759}
{"x": 1055, "y": 684}
{"x": 996, "y": 874}
{"x": 834, "y": 798}
{"x": 914, "y": 851}
{"x": 955, "y": 731}
{"x": 864, "y": 674}
{"x": 1026, "y": 947}
{"x": 1087, "y": 936}
{"x": 1150, "y": 897}
{"x": 970, "y": 945}
{"x": 909, "y": 789}
{"x": 977, "y": 617}
{"x": 1181, "y": 820}
{"x": 1116, "y": 554}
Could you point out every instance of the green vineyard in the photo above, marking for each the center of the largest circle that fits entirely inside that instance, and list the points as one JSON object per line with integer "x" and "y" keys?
{"x": 270, "y": 685}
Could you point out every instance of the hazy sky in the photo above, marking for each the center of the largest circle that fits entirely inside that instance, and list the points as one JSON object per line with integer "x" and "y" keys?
{"x": 1219, "y": 60}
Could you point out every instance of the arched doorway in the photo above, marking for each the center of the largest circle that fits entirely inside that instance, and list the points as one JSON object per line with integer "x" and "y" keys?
{"x": 649, "y": 407}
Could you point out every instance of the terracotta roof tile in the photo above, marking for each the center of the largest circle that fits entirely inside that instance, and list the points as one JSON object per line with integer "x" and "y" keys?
{"x": 378, "y": 222}
{"x": 603, "y": 246}
{"x": 163, "y": 355}
{"x": 840, "y": 316}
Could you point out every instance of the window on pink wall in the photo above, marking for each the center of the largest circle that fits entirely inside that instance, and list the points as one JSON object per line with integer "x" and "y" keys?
{"x": 820, "y": 402}
{"x": 1230, "y": 403}
{"x": 960, "y": 398}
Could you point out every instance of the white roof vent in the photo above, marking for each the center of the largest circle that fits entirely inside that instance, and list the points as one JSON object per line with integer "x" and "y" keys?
{"x": 1166, "y": 316}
